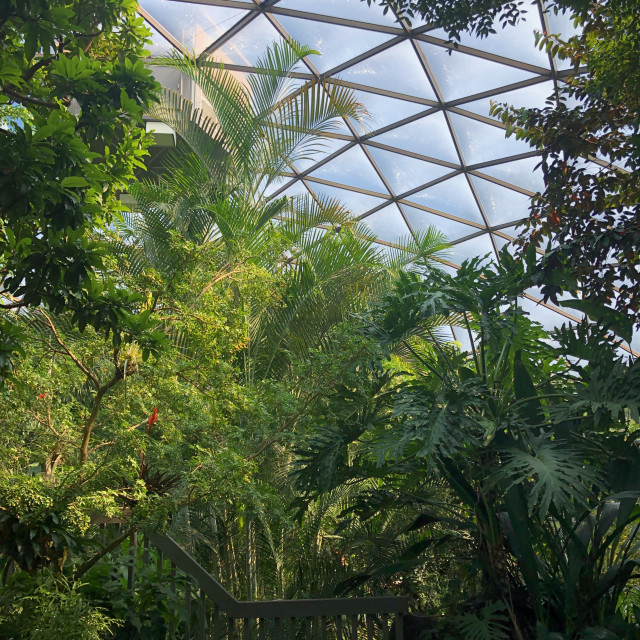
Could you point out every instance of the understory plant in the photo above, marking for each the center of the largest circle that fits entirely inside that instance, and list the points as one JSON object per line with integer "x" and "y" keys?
{"x": 533, "y": 438}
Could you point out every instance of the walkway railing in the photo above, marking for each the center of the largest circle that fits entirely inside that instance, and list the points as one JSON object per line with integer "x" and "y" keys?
{"x": 212, "y": 613}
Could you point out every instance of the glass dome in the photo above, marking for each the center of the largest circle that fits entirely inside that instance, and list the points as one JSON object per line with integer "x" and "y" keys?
{"x": 431, "y": 154}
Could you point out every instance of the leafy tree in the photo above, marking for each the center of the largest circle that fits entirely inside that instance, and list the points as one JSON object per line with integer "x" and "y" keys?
{"x": 105, "y": 430}
{"x": 73, "y": 87}
{"x": 34, "y": 609}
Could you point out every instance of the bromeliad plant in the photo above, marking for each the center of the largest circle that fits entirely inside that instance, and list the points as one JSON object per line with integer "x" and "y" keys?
{"x": 533, "y": 442}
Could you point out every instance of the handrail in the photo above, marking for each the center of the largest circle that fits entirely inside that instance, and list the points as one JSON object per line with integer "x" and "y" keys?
{"x": 328, "y": 607}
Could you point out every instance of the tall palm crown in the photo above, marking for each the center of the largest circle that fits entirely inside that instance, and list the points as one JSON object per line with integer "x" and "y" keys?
{"x": 249, "y": 132}
{"x": 213, "y": 190}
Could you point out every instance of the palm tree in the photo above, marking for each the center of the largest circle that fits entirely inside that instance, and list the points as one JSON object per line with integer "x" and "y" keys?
{"x": 212, "y": 191}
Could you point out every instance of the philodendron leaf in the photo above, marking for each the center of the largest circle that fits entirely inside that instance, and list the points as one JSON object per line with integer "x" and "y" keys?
{"x": 552, "y": 474}
{"x": 618, "y": 322}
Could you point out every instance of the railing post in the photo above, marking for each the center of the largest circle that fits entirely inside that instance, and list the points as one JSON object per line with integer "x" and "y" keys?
{"x": 215, "y": 622}
{"x": 202, "y": 617}
{"x": 354, "y": 627}
{"x": 399, "y": 625}
{"x": 133, "y": 552}
{"x": 384, "y": 621}
{"x": 187, "y": 607}
{"x": 145, "y": 551}
{"x": 369, "y": 621}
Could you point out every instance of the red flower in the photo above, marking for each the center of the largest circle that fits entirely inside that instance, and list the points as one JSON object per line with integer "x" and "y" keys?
{"x": 153, "y": 418}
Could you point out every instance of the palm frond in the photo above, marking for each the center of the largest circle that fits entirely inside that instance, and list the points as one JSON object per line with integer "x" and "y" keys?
{"x": 294, "y": 127}
{"x": 204, "y": 134}
{"x": 273, "y": 80}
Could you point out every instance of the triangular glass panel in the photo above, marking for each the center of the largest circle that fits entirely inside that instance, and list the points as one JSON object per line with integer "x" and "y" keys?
{"x": 384, "y": 111}
{"x": 249, "y": 44}
{"x": 404, "y": 173}
{"x": 459, "y": 75}
{"x": 196, "y": 26}
{"x": 481, "y": 142}
{"x": 387, "y": 224}
{"x": 349, "y": 9}
{"x": 562, "y": 23}
{"x": 335, "y": 44}
{"x": 478, "y": 246}
{"x": 395, "y": 69}
{"x": 295, "y": 188}
{"x": 428, "y": 136}
{"x": 514, "y": 41}
{"x": 522, "y": 173}
{"x": 546, "y": 317}
{"x": 501, "y": 204}
{"x": 420, "y": 220}
{"x": 351, "y": 168}
{"x": 451, "y": 196}
{"x": 355, "y": 202}
{"x": 501, "y": 242}
{"x": 416, "y": 22}
{"x": 462, "y": 337}
{"x": 513, "y": 230}
{"x": 320, "y": 150}
{"x": 159, "y": 46}
{"x": 532, "y": 96}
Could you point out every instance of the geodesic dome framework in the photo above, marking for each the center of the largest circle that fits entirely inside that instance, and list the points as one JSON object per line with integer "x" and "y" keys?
{"x": 431, "y": 154}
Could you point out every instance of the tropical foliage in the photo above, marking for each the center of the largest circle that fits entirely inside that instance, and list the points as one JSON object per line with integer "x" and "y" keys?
{"x": 533, "y": 443}
{"x": 258, "y": 377}
{"x": 73, "y": 86}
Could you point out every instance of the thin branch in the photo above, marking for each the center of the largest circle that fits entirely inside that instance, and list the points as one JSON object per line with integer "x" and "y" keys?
{"x": 82, "y": 569}
{"x": 102, "y": 444}
{"x": 216, "y": 280}
{"x": 90, "y": 422}
{"x": 195, "y": 385}
{"x": 43, "y": 62}
{"x": 87, "y": 372}
{"x": 135, "y": 426}
{"x": 22, "y": 99}
{"x": 47, "y": 422}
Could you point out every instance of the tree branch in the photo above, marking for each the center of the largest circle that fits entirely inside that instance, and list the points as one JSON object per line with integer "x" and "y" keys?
{"x": 43, "y": 62}
{"x": 22, "y": 99}
{"x": 217, "y": 279}
{"x": 91, "y": 420}
{"x": 82, "y": 569}
{"x": 87, "y": 372}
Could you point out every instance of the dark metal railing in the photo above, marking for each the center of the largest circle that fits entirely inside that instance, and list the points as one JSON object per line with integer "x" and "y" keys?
{"x": 212, "y": 613}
